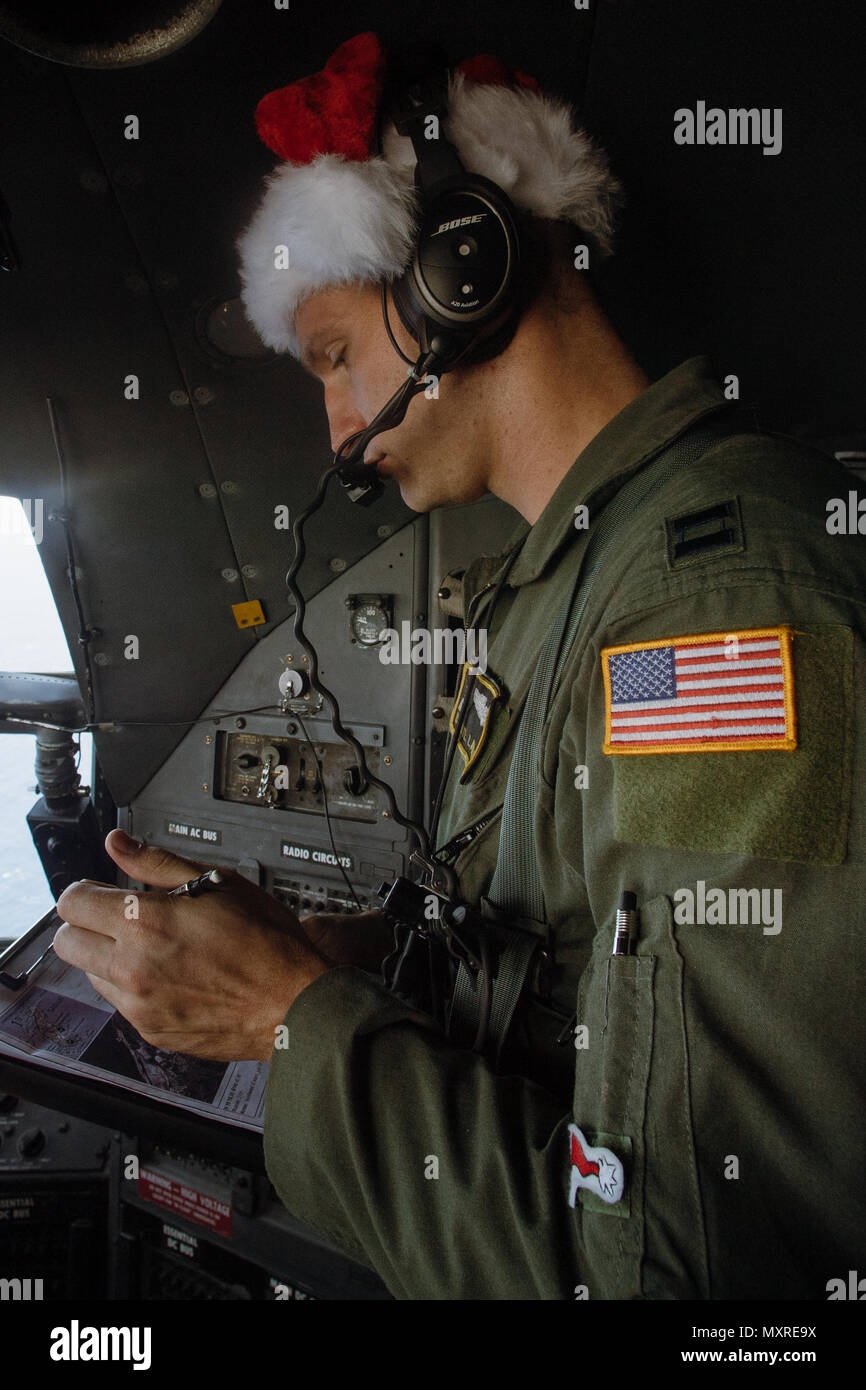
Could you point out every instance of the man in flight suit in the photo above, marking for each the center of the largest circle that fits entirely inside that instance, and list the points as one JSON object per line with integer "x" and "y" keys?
{"x": 682, "y": 1119}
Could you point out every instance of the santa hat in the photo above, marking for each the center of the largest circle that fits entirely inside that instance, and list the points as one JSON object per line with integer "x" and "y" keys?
{"x": 346, "y": 214}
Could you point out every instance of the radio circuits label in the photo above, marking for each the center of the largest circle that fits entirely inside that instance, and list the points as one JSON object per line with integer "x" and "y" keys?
{"x": 305, "y": 854}
{"x": 203, "y": 833}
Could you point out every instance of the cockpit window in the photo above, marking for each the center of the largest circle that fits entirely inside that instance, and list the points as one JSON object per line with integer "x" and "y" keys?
{"x": 31, "y": 639}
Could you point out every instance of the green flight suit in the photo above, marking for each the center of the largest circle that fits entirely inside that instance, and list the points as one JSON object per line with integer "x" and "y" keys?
{"x": 722, "y": 1062}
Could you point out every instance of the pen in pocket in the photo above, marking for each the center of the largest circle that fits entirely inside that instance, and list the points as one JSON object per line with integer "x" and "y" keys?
{"x": 626, "y": 925}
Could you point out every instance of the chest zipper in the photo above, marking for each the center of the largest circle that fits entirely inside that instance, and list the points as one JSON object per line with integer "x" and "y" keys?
{"x": 455, "y": 846}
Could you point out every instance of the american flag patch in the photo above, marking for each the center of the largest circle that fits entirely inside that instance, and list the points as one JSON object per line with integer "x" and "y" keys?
{"x": 717, "y": 691}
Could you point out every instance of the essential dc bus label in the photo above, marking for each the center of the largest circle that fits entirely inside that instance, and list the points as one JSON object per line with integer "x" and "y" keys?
{"x": 305, "y": 854}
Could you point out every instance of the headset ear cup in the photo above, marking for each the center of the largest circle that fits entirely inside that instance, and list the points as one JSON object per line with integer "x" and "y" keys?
{"x": 423, "y": 326}
{"x": 427, "y": 295}
{"x": 407, "y": 305}
{"x": 489, "y": 342}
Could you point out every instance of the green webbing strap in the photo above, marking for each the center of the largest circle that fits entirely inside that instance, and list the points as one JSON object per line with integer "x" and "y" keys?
{"x": 511, "y": 953}
{"x": 516, "y": 890}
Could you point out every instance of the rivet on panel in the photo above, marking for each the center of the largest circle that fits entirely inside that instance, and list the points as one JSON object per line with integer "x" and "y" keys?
{"x": 93, "y": 181}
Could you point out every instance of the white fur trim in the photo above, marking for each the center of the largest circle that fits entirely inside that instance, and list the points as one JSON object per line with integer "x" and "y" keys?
{"x": 347, "y": 222}
{"x": 341, "y": 220}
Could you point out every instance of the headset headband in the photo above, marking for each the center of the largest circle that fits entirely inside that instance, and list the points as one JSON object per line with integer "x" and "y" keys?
{"x": 462, "y": 285}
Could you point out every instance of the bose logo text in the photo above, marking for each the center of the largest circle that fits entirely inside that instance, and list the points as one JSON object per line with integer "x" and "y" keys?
{"x": 460, "y": 222}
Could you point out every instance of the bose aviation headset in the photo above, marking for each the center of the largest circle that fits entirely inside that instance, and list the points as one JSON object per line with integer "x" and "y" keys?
{"x": 461, "y": 284}
{"x": 459, "y": 296}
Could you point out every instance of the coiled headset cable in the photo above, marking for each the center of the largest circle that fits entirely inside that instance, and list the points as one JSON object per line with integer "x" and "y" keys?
{"x": 360, "y": 478}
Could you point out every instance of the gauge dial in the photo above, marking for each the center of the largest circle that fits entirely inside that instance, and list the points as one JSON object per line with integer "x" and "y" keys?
{"x": 370, "y": 617}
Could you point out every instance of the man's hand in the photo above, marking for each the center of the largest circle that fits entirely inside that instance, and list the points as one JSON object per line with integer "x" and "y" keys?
{"x": 210, "y": 976}
{"x": 357, "y": 938}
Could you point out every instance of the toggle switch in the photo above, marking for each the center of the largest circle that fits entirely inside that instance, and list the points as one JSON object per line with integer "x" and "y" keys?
{"x": 354, "y": 781}
{"x": 31, "y": 1143}
{"x": 292, "y": 684}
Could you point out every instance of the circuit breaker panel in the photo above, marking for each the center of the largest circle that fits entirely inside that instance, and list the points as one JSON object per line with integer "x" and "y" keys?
{"x": 263, "y": 784}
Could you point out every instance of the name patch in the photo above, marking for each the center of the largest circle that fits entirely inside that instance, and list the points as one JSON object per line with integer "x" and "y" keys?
{"x": 472, "y": 712}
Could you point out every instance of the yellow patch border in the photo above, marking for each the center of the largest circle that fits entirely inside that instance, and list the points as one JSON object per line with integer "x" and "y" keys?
{"x": 496, "y": 692}
{"x": 786, "y": 743}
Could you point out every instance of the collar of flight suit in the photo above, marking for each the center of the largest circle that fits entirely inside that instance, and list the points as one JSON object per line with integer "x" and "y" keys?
{"x": 639, "y": 431}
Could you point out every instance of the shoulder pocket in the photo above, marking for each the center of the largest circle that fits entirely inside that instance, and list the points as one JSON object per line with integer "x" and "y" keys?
{"x": 768, "y": 803}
